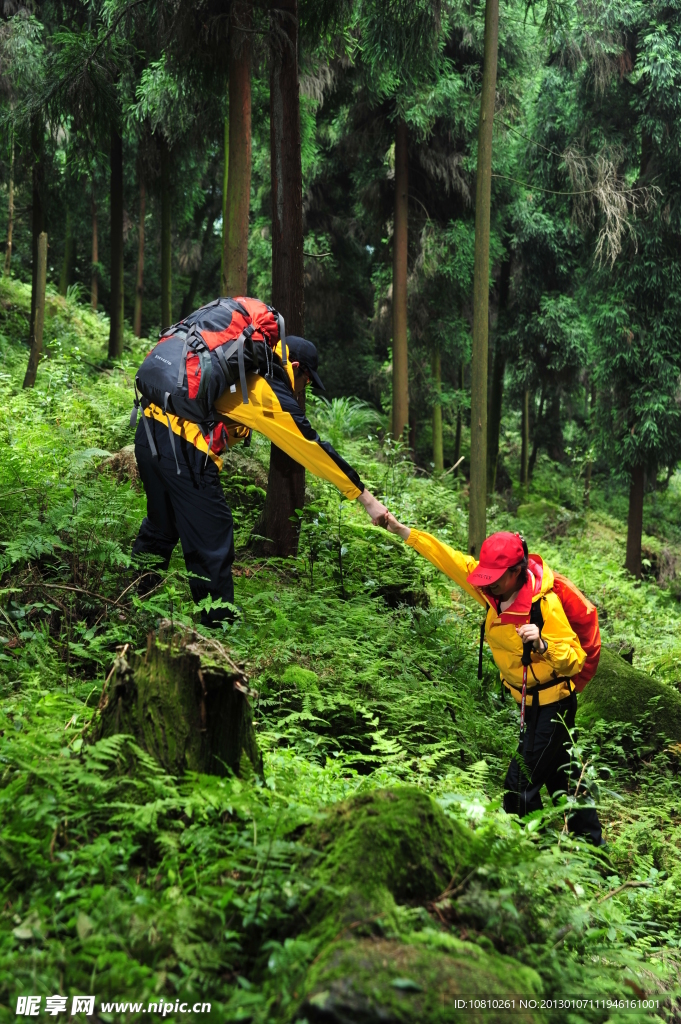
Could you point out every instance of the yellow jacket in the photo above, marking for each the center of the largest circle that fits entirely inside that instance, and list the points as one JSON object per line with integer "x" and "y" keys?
{"x": 564, "y": 656}
{"x": 272, "y": 410}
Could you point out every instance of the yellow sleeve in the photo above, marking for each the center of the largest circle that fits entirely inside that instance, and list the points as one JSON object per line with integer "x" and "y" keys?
{"x": 454, "y": 564}
{"x": 237, "y": 434}
{"x": 273, "y": 411}
{"x": 564, "y": 653}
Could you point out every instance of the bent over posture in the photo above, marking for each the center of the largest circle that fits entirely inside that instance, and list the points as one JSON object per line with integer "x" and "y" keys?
{"x": 508, "y": 581}
{"x": 179, "y": 467}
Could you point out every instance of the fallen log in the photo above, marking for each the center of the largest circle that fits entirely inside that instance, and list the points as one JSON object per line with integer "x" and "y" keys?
{"x": 184, "y": 701}
{"x": 621, "y": 693}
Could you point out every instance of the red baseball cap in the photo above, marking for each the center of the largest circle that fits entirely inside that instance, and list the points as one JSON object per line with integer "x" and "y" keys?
{"x": 498, "y": 553}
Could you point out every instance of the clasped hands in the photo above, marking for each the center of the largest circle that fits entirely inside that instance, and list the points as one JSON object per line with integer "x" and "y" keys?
{"x": 380, "y": 516}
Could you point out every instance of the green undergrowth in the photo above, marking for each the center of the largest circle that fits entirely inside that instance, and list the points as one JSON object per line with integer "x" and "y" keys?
{"x": 376, "y": 836}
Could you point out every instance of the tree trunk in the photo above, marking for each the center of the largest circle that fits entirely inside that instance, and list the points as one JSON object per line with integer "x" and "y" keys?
{"x": 589, "y": 410}
{"x": 225, "y": 184}
{"x": 37, "y": 339}
{"x": 190, "y": 294}
{"x": 538, "y": 432}
{"x": 139, "y": 286}
{"x": 117, "y": 294}
{"x": 635, "y": 522}
{"x": 496, "y": 397}
{"x": 587, "y": 483}
{"x": 184, "y": 702}
{"x": 525, "y": 436}
{"x": 494, "y": 423}
{"x": 239, "y": 181}
{"x": 166, "y": 244}
{"x": 94, "y": 280}
{"x": 477, "y": 509}
{"x": 400, "y": 411}
{"x": 38, "y": 211}
{"x": 286, "y": 481}
{"x": 65, "y": 276}
{"x": 438, "y": 452}
{"x": 459, "y": 424}
{"x": 553, "y": 430}
{"x": 10, "y": 209}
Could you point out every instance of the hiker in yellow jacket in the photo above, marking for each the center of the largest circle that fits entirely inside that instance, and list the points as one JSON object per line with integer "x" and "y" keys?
{"x": 507, "y": 580}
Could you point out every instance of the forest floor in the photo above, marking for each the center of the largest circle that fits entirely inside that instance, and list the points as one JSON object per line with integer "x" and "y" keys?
{"x": 124, "y": 883}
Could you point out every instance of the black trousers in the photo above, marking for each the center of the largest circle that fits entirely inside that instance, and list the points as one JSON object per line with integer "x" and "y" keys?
{"x": 190, "y": 507}
{"x": 542, "y": 750}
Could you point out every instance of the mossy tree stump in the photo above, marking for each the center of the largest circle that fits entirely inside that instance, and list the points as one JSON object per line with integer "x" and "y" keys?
{"x": 185, "y": 701}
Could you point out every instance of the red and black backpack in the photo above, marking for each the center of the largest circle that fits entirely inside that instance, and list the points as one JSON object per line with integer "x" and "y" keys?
{"x": 196, "y": 359}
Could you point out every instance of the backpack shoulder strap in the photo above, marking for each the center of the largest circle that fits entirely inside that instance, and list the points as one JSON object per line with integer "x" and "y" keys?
{"x": 536, "y": 617}
{"x": 482, "y": 644}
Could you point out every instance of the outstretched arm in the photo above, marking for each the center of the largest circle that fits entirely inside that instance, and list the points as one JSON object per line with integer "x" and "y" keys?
{"x": 273, "y": 411}
{"x": 452, "y": 563}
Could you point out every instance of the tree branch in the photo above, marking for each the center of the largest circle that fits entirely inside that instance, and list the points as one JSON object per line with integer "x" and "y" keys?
{"x": 112, "y": 29}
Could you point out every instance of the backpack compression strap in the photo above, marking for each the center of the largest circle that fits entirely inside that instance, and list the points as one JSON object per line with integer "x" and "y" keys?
{"x": 170, "y": 430}
{"x": 223, "y": 356}
{"x": 133, "y": 420}
{"x": 183, "y": 357}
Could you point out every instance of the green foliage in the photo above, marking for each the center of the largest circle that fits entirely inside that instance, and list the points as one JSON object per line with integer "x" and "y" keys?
{"x": 377, "y": 735}
{"x": 552, "y": 343}
{"x": 125, "y": 882}
{"x": 343, "y": 418}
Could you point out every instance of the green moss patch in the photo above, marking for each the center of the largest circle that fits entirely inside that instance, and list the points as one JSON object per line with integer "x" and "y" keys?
{"x": 382, "y": 846}
{"x": 621, "y": 693}
{"x": 381, "y": 981}
{"x": 537, "y": 509}
{"x": 303, "y": 679}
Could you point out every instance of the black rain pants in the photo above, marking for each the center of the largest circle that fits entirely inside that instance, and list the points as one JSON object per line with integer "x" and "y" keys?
{"x": 190, "y": 507}
{"x": 543, "y": 749}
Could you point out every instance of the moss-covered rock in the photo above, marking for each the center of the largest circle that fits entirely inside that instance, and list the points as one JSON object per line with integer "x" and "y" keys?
{"x": 382, "y": 981}
{"x": 366, "y": 856}
{"x": 303, "y": 679}
{"x": 123, "y": 465}
{"x": 381, "y": 847}
{"x": 621, "y": 693}
{"x": 539, "y": 508}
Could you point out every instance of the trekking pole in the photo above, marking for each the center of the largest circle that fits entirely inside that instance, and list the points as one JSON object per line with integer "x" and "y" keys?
{"x": 526, "y": 660}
